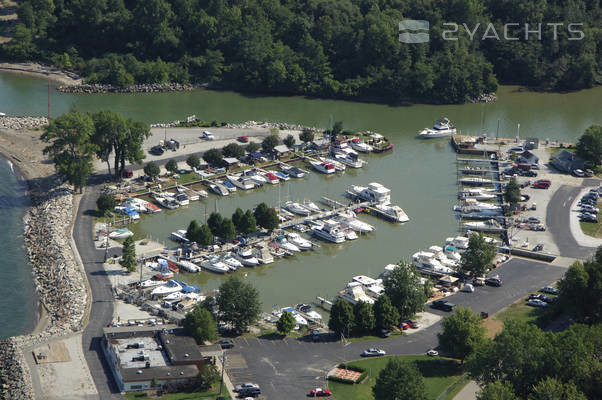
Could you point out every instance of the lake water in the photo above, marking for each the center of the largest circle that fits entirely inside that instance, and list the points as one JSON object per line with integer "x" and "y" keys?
{"x": 421, "y": 174}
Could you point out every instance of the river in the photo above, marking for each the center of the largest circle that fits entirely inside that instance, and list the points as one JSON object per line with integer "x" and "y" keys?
{"x": 420, "y": 174}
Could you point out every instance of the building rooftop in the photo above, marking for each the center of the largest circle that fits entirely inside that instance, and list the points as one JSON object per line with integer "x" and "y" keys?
{"x": 135, "y": 352}
{"x": 160, "y": 373}
{"x": 180, "y": 347}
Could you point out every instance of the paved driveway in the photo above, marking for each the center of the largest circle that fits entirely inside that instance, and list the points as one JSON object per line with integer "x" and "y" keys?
{"x": 288, "y": 369}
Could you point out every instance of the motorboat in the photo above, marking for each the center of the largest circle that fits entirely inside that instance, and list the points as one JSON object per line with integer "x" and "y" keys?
{"x": 374, "y": 192}
{"x": 121, "y": 233}
{"x": 192, "y": 195}
{"x": 392, "y": 213}
{"x": 231, "y": 188}
{"x": 442, "y": 128}
{"x": 338, "y": 166}
{"x": 245, "y": 256}
{"x": 298, "y": 240}
{"x": 442, "y": 257}
{"x": 170, "y": 287}
{"x": 350, "y": 160}
{"x": 297, "y": 208}
{"x": 271, "y": 178}
{"x": 348, "y": 218}
{"x": 350, "y": 234}
{"x": 282, "y": 175}
{"x": 476, "y": 181}
{"x": 311, "y": 206}
{"x": 358, "y": 145}
{"x": 372, "y": 287}
{"x": 427, "y": 263}
{"x": 292, "y": 171}
{"x": 323, "y": 167}
{"x": 388, "y": 270}
{"x": 186, "y": 265}
{"x": 276, "y": 251}
{"x": 286, "y": 245}
{"x": 299, "y": 319}
{"x": 179, "y": 236}
{"x": 354, "y": 293}
{"x": 477, "y": 194}
{"x": 285, "y": 213}
{"x": 329, "y": 231}
{"x": 166, "y": 201}
{"x": 149, "y": 283}
{"x": 241, "y": 182}
{"x": 215, "y": 265}
{"x": 483, "y": 226}
{"x": 255, "y": 176}
{"x": 183, "y": 199}
{"x": 230, "y": 261}
{"x": 219, "y": 189}
{"x": 459, "y": 242}
{"x": 175, "y": 296}
{"x": 262, "y": 254}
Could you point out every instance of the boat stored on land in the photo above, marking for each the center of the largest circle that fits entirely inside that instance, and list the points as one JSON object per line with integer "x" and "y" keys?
{"x": 121, "y": 233}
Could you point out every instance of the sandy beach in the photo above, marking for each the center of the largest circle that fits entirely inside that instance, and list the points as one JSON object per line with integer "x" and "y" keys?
{"x": 35, "y": 69}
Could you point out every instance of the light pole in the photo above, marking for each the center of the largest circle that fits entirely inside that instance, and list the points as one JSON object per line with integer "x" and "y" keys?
{"x": 221, "y": 383}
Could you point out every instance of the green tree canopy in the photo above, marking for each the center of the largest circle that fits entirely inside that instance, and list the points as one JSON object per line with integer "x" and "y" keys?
{"x": 233, "y": 150}
{"x": 248, "y": 224}
{"x": 462, "y": 333}
{"x": 238, "y": 304}
{"x": 398, "y": 380}
{"x": 106, "y": 202}
{"x": 553, "y": 389}
{"x": 479, "y": 255}
{"x": 215, "y": 223}
{"x": 364, "y": 321}
{"x": 405, "y": 291}
{"x": 289, "y": 141}
{"x": 589, "y": 146}
{"x": 512, "y": 192}
{"x": 205, "y": 235}
{"x": 227, "y": 231}
{"x": 497, "y": 391}
{"x": 341, "y": 317}
{"x": 193, "y": 231}
{"x": 237, "y": 218}
{"x": 193, "y": 161}
{"x": 286, "y": 323}
{"x": 252, "y": 147}
{"x": 306, "y": 136}
{"x": 385, "y": 313}
{"x": 213, "y": 157}
{"x": 580, "y": 290}
{"x": 266, "y": 217}
{"x": 209, "y": 376}
{"x": 128, "y": 256}
{"x": 268, "y": 144}
{"x": 171, "y": 166}
{"x": 152, "y": 170}
{"x": 199, "y": 324}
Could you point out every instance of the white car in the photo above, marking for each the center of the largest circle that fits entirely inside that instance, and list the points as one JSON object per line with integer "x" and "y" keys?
{"x": 244, "y": 386}
{"x": 537, "y": 303}
{"x": 432, "y": 353}
{"x": 373, "y": 353}
{"x": 550, "y": 289}
{"x": 207, "y": 135}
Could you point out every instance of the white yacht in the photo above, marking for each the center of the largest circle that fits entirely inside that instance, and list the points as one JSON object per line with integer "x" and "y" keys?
{"x": 338, "y": 166}
{"x": 151, "y": 283}
{"x": 298, "y": 240}
{"x": 476, "y": 181}
{"x": 442, "y": 257}
{"x": 477, "y": 194}
{"x": 229, "y": 260}
{"x": 459, "y": 242}
{"x": 442, "y": 128}
{"x": 215, "y": 265}
{"x": 168, "y": 288}
{"x": 219, "y": 189}
{"x": 483, "y": 226}
{"x": 240, "y": 182}
{"x": 245, "y": 256}
{"x": 262, "y": 254}
{"x": 348, "y": 218}
{"x": 323, "y": 167}
{"x": 296, "y": 208}
{"x": 186, "y": 265}
{"x": 358, "y": 145}
{"x": 166, "y": 201}
{"x": 311, "y": 206}
{"x": 349, "y": 160}
{"x": 121, "y": 233}
{"x": 350, "y": 234}
{"x": 179, "y": 236}
{"x": 393, "y": 213}
{"x": 292, "y": 171}
{"x": 286, "y": 245}
{"x": 373, "y": 192}
{"x": 255, "y": 176}
{"x": 329, "y": 231}
{"x": 175, "y": 296}
{"x": 372, "y": 287}
{"x": 354, "y": 292}
{"x": 426, "y": 262}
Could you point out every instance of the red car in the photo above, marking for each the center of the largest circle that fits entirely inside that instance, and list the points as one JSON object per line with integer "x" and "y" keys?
{"x": 541, "y": 185}
{"x": 243, "y": 139}
{"x": 319, "y": 392}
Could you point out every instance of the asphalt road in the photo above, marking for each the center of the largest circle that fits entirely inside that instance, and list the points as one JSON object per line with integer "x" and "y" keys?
{"x": 288, "y": 369}
{"x": 101, "y": 312}
{"x": 558, "y": 221}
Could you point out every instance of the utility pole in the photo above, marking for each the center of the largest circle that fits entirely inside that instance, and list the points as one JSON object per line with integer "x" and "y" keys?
{"x": 223, "y": 368}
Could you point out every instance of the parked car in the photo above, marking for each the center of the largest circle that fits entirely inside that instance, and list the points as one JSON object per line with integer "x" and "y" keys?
{"x": 157, "y": 150}
{"x": 588, "y": 218}
{"x": 384, "y": 333}
{"x": 250, "y": 392}
{"x": 319, "y": 392}
{"x": 588, "y": 172}
{"x": 494, "y": 281}
{"x": 478, "y": 281}
{"x": 414, "y": 325}
{"x": 578, "y": 173}
{"x": 243, "y": 139}
{"x": 245, "y": 386}
{"x": 525, "y": 197}
{"x": 226, "y": 343}
{"x": 207, "y": 135}
{"x": 443, "y": 305}
{"x": 529, "y": 173}
{"x": 537, "y": 303}
{"x": 540, "y": 185}
{"x": 516, "y": 149}
{"x": 538, "y": 247}
{"x": 533, "y": 220}
{"x": 432, "y": 353}
{"x": 550, "y": 290}
{"x": 590, "y": 209}
{"x": 127, "y": 173}
{"x": 373, "y": 353}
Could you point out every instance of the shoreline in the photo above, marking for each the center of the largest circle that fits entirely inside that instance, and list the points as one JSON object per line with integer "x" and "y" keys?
{"x": 40, "y": 70}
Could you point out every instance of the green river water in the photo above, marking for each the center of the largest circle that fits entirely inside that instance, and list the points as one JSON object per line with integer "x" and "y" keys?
{"x": 421, "y": 174}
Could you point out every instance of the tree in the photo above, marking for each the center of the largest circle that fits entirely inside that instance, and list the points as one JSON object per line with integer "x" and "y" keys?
{"x": 193, "y": 161}
{"x": 209, "y": 376}
{"x": 227, "y": 229}
{"x": 553, "y": 389}
{"x": 128, "y": 257}
{"x": 266, "y": 217}
{"x": 306, "y": 136}
{"x": 205, "y": 236}
{"x": 105, "y": 202}
{"x": 238, "y": 303}
{"x": 479, "y": 255}
{"x": 199, "y": 324}
{"x": 385, "y": 314}
{"x": 512, "y": 192}
{"x": 248, "y": 223}
{"x": 268, "y": 144}
{"x": 405, "y": 290}
{"x": 589, "y": 146}
{"x": 286, "y": 323}
{"x": 252, "y": 147}
{"x": 462, "y": 333}
{"x": 233, "y": 150}
{"x": 364, "y": 321}
{"x": 171, "y": 166}
{"x": 193, "y": 231}
{"x": 237, "y": 219}
{"x": 397, "y": 380}
{"x": 497, "y": 391}
{"x": 341, "y": 317}
{"x": 213, "y": 157}
{"x": 71, "y": 147}
{"x": 580, "y": 291}
{"x": 289, "y": 141}
{"x": 152, "y": 170}
{"x": 215, "y": 223}
{"x": 154, "y": 382}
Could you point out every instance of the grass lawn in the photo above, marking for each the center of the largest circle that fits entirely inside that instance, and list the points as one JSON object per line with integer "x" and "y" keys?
{"x": 395, "y": 332}
{"x": 591, "y": 229}
{"x": 210, "y": 394}
{"x": 438, "y": 378}
{"x": 519, "y": 311}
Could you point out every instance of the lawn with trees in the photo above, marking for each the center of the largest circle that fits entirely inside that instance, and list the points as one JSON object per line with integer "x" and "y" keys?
{"x": 479, "y": 255}
{"x": 238, "y": 304}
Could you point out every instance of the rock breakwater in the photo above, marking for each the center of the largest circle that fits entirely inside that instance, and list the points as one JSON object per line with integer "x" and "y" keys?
{"x": 484, "y": 98}
{"x": 21, "y": 123}
{"x": 59, "y": 284}
{"x": 141, "y": 88}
